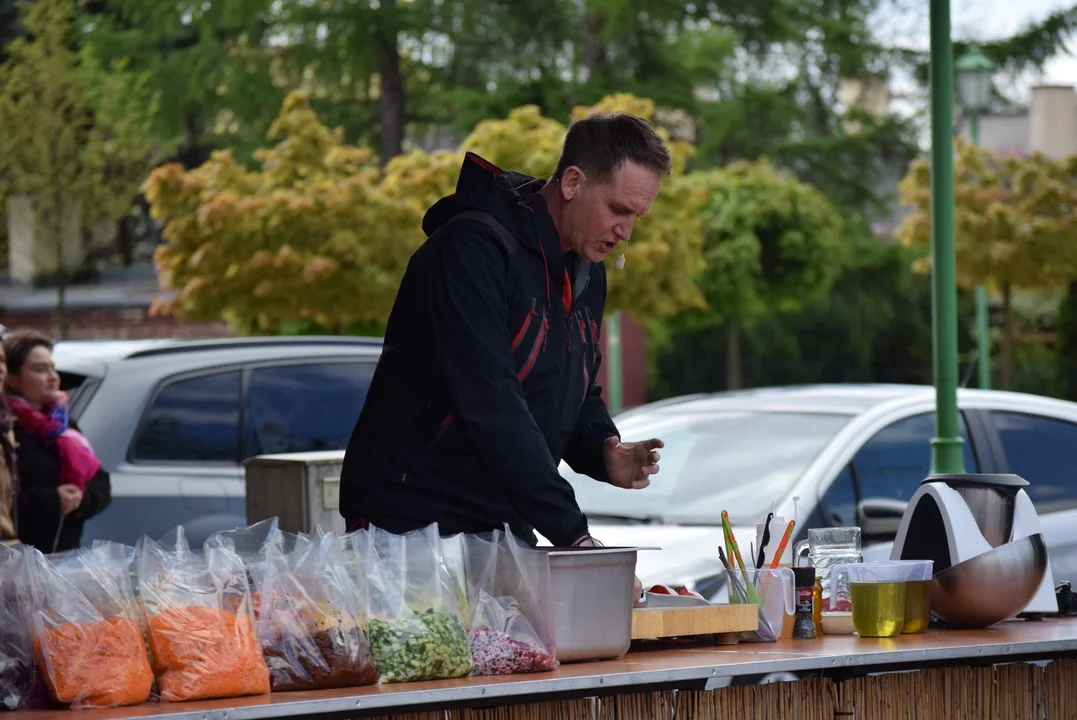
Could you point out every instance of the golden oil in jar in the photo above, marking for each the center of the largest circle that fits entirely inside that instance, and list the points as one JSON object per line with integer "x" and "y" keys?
{"x": 878, "y": 608}
{"x": 817, "y": 607}
{"x": 917, "y": 606}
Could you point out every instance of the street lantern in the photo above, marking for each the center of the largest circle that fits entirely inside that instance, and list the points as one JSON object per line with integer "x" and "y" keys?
{"x": 974, "y": 70}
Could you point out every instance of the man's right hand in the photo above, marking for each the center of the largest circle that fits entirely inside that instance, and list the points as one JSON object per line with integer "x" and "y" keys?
{"x": 70, "y": 499}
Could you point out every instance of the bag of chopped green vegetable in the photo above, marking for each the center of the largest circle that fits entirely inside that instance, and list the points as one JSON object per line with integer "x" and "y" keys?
{"x": 309, "y": 623}
{"x": 411, "y": 611}
{"x": 512, "y": 621}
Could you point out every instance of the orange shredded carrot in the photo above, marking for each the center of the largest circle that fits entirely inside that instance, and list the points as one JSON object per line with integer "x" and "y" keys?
{"x": 96, "y": 665}
{"x": 203, "y": 653}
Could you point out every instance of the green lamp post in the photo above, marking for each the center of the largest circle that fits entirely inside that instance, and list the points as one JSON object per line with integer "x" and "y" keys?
{"x": 974, "y": 70}
{"x": 946, "y": 447}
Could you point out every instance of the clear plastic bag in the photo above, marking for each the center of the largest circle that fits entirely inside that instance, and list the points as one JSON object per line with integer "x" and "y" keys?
{"x": 198, "y": 613}
{"x": 84, "y": 626}
{"x": 412, "y": 610}
{"x": 16, "y": 650}
{"x": 251, "y": 545}
{"x": 309, "y": 623}
{"x": 511, "y": 629}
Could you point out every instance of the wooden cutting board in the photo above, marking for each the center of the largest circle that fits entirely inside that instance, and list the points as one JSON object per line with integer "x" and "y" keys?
{"x": 682, "y": 622}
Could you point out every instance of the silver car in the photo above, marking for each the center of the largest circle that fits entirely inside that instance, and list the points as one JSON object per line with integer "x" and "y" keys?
{"x": 852, "y": 454}
{"x": 173, "y": 420}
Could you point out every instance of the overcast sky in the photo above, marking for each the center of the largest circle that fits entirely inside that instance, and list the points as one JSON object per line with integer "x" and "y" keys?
{"x": 984, "y": 20}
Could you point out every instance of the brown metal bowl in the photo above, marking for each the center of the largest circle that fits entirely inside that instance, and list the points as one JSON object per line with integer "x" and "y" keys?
{"x": 991, "y": 587}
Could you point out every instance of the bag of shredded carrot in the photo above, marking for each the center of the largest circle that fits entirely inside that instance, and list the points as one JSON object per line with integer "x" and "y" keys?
{"x": 84, "y": 627}
{"x": 197, "y": 608}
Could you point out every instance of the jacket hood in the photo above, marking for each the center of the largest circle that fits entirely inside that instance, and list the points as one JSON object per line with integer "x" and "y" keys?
{"x": 486, "y": 187}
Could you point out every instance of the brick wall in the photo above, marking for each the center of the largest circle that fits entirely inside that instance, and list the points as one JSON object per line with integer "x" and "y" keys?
{"x": 113, "y": 324}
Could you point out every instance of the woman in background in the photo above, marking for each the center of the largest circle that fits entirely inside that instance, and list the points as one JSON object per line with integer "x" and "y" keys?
{"x": 61, "y": 481}
{"x": 9, "y": 482}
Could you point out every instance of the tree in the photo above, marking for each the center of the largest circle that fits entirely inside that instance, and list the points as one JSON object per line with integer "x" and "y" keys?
{"x": 771, "y": 243}
{"x": 1015, "y": 223}
{"x": 319, "y": 235}
{"x": 310, "y": 235}
{"x": 218, "y": 80}
{"x": 873, "y": 326}
{"x": 76, "y": 140}
{"x": 1066, "y": 360}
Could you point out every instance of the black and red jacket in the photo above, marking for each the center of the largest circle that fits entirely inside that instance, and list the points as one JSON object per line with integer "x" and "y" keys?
{"x": 487, "y": 376}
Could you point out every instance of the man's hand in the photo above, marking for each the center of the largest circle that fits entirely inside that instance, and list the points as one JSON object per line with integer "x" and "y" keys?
{"x": 70, "y": 499}
{"x": 630, "y": 465}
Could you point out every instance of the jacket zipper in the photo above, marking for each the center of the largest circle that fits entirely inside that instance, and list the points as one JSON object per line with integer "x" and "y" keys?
{"x": 447, "y": 420}
{"x": 586, "y": 372}
{"x": 445, "y": 423}
{"x": 540, "y": 344}
{"x": 532, "y": 358}
{"x": 527, "y": 324}
{"x": 586, "y": 378}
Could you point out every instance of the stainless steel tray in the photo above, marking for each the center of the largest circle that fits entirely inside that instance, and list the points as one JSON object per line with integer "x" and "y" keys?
{"x": 661, "y": 600}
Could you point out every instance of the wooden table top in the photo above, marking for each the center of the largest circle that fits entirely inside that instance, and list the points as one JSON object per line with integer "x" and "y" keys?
{"x": 673, "y": 667}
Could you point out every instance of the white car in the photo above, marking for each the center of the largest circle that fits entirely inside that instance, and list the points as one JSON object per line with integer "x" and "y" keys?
{"x": 852, "y": 454}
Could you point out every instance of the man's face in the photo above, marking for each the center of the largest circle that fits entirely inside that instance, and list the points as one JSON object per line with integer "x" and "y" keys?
{"x": 601, "y": 212}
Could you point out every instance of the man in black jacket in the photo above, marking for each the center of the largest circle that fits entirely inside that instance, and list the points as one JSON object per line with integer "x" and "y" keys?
{"x": 487, "y": 376}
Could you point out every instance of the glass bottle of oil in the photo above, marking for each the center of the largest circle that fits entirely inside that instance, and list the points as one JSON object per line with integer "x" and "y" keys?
{"x": 817, "y": 607}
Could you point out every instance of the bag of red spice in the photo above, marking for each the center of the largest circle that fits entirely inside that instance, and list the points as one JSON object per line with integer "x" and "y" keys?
{"x": 197, "y": 608}
{"x": 84, "y": 627}
{"x": 511, "y": 629}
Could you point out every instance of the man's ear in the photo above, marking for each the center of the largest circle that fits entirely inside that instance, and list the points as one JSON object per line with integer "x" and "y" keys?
{"x": 571, "y": 182}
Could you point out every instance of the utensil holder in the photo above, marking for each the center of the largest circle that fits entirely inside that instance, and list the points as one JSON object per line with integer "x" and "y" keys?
{"x": 771, "y": 590}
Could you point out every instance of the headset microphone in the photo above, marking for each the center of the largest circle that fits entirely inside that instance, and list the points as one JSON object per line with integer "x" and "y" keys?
{"x": 619, "y": 263}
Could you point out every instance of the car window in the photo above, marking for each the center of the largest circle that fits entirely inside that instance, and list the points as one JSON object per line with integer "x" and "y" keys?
{"x": 302, "y": 408}
{"x": 192, "y": 420}
{"x": 1040, "y": 450}
{"x": 740, "y": 461}
{"x": 838, "y": 506}
{"x": 895, "y": 460}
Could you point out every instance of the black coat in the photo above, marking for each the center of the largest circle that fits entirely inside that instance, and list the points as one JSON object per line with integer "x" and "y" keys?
{"x": 486, "y": 378}
{"x": 39, "y": 502}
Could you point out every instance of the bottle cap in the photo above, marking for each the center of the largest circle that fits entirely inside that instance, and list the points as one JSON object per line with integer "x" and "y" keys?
{"x": 804, "y": 576}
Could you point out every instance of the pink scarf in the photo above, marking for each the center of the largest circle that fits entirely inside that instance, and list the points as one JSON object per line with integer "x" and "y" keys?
{"x": 78, "y": 463}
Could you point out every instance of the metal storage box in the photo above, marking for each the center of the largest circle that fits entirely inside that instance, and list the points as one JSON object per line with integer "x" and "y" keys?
{"x": 302, "y": 490}
{"x": 592, "y": 592}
